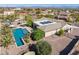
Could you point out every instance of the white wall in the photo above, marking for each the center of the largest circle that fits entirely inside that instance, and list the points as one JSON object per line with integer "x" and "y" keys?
{"x": 54, "y": 31}
{"x": 66, "y": 27}
{"x": 50, "y": 33}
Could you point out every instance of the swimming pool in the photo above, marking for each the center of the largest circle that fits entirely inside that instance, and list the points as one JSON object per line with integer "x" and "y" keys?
{"x": 18, "y": 34}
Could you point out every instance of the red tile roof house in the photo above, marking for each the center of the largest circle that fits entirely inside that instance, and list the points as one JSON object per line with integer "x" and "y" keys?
{"x": 62, "y": 15}
{"x": 22, "y": 13}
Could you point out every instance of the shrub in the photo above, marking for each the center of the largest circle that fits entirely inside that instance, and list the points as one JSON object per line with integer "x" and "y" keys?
{"x": 38, "y": 12}
{"x": 6, "y": 41}
{"x": 37, "y": 34}
{"x": 49, "y": 16}
{"x": 29, "y": 23}
{"x": 43, "y": 48}
{"x": 77, "y": 19}
{"x": 27, "y": 38}
{"x": 69, "y": 20}
{"x": 60, "y": 32}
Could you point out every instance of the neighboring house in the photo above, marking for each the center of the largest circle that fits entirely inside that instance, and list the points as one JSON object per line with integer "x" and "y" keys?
{"x": 9, "y": 12}
{"x": 1, "y": 14}
{"x": 62, "y": 15}
{"x": 22, "y": 13}
{"x": 17, "y": 22}
{"x": 17, "y": 9}
{"x": 51, "y": 13}
{"x": 48, "y": 26}
{"x": 7, "y": 22}
{"x": 44, "y": 12}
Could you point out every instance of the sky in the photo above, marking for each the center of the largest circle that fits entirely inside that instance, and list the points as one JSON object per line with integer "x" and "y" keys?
{"x": 41, "y": 5}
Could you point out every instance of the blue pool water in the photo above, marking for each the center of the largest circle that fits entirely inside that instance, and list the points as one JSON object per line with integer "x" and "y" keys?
{"x": 18, "y": 34}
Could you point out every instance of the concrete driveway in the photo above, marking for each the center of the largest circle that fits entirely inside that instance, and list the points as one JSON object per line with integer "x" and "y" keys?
{"x": 57, "y": 43}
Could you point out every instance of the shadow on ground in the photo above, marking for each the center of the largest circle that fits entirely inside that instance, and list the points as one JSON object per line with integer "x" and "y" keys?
{"x": 70, "y": 46}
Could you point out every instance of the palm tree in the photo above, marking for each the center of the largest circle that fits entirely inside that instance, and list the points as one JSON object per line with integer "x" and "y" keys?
{"x": 6, "y": 39}
{"x": 6, "y": 42}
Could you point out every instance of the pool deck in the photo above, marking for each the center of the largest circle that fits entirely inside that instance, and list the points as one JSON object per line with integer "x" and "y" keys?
{"x": 13, "y": 50}
{"x": 28, "y": 28}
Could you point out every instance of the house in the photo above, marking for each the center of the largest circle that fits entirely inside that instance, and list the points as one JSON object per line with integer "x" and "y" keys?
{"x": 62, "y": 15}
{"x": 7, "y": 22}
{"x": 17, "y": 9}
{"x": 9, "y": 12}
{"x": 17, "y": 23}
{"x": 48, "y": 26}
{"x": 44, "y": 12}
